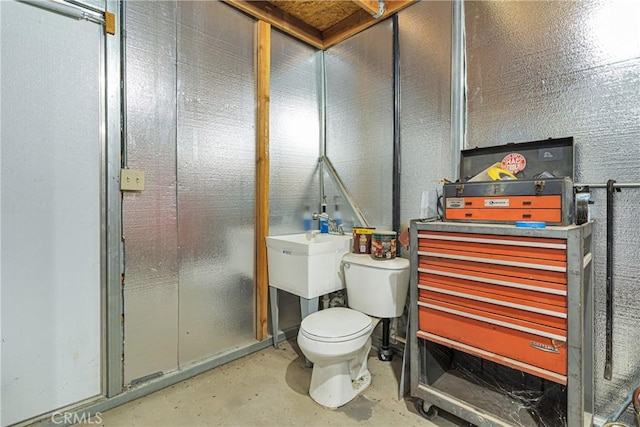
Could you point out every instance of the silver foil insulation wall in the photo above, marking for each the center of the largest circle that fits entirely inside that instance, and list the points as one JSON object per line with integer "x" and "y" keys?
{"x": 537, "y": 70}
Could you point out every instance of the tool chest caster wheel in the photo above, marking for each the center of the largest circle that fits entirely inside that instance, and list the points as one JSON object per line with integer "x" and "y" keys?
{"x": 427, "y": 410}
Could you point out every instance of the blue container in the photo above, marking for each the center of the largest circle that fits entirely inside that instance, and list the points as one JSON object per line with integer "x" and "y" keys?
{"x": 324, "y": 225}
{"x": 531, "y": 224}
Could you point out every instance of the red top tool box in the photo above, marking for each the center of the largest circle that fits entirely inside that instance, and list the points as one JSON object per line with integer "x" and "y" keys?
{"x": 530, "y": 181}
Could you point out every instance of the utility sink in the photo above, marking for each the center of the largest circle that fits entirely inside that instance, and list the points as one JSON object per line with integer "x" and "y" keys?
{"x": 307, "y": 264}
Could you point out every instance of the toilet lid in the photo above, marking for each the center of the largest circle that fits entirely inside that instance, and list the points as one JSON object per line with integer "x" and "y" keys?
{"x": 366, "y": 261}
{"x": 335, "y": 325}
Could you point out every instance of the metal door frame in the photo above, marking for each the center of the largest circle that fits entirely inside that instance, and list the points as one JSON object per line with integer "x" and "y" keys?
{"x": 111, "y": 248}
{"x": 113, "y": 257}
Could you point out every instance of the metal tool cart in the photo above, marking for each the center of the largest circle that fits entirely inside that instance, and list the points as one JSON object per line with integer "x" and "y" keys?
{"x": 501, "y": 323}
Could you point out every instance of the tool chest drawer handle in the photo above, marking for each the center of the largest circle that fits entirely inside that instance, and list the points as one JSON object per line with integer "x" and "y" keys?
{"x": 524, "y": 243}
{"x": 526, "y": 203}
{"x": 495, "y": 261}
{"x": 526, "y": 216}
{"x": 495, "y": 282}
{"x": 494, "y": 321}
{"x": 586, "y": 260}
{"x": 468, "y": 215}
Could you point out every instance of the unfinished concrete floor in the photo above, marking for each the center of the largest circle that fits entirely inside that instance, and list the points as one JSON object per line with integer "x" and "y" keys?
{"x": 270, "y": 388}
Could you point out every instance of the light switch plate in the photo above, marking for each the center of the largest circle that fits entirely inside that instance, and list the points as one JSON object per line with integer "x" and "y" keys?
{"x": 131, "y": 180}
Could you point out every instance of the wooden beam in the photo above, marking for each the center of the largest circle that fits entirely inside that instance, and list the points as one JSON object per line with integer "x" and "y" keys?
{"x": 269, "y": 13}
{"x": 370, "y": 6}
{"x": 360, "y": 21}
{"x": 262, "y": 178}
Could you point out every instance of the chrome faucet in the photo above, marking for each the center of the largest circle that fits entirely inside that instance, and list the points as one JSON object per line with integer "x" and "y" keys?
{"x": 334, "y": 227}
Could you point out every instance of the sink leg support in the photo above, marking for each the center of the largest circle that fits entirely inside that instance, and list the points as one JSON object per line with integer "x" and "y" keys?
{"x": 384, "y": 352}
{"x": 308, "y": 306}
{"x": 275, "y": 315}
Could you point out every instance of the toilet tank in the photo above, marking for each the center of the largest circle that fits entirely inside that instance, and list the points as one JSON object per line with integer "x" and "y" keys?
{"x": 376, "y": 287}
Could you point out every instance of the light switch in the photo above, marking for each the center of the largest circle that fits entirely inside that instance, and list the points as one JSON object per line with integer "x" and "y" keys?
{"x": 131, "y": 180}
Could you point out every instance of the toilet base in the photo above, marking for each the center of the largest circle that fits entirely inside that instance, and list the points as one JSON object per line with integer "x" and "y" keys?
{"x": 338, "y": 390}
{"x": 335, "y": 384}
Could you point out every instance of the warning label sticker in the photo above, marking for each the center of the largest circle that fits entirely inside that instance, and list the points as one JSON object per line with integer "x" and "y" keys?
{"x": 514, "y": 162}
{"x": 496, "y": 203}
{"x": 454, "y": 202}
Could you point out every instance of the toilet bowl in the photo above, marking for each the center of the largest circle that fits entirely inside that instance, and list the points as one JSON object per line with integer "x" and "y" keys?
{"x": 337, "y": 340}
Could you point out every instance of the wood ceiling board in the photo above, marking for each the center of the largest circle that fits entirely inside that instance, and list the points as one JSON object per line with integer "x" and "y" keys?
{"x": 266, "y": 11}
{"x": 359, "y": 21}
{"x": 349, "y": 16}
{"x": 318, "y": 14}
{"x": 371, "y": 6}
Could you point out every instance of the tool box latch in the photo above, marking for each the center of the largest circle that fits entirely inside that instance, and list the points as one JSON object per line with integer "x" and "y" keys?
{"x": 459, "y": 190}
{"x": 539, "y": 187}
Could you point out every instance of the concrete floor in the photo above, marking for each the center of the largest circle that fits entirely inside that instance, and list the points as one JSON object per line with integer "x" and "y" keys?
{"x": 270, "y": 388}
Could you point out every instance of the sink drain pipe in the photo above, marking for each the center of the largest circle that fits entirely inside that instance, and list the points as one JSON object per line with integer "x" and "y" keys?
{"x": 396, "y": 131}
{"x": 384, "y": 352}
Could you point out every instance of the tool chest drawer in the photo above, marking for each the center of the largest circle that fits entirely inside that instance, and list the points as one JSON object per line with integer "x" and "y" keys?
{"x": 513, "y": 202}
{"x": 504, "y": 339}
{"x": 493, "y": 257}
{"x": 544, "y": 215}
{"x": 503, "y": 295}
{"x": 516, "y": 246}
{"x": 508, "y": 202}
{"x": 514, "y": 208}
{"x": 541, "y": 313}
{"x": 501, "y": 321}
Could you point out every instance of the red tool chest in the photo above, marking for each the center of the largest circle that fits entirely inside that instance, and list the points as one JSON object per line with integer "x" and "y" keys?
{"x": 506, "y": 296}
{"x": 518, "y": 297}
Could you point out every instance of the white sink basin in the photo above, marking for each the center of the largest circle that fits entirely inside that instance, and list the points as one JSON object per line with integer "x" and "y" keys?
{"x": 306, "y": 264}
{"x": 309, "y": 243}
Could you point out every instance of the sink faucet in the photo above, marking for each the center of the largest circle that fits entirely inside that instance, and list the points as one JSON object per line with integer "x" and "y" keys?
{"x": 334, "y": 227}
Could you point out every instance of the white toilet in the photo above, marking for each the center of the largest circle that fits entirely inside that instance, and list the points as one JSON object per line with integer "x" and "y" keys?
{"x": 338, "y": 340}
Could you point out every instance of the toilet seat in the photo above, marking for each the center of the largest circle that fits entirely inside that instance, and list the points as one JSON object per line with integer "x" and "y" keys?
{"x": 335, "y": 325}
